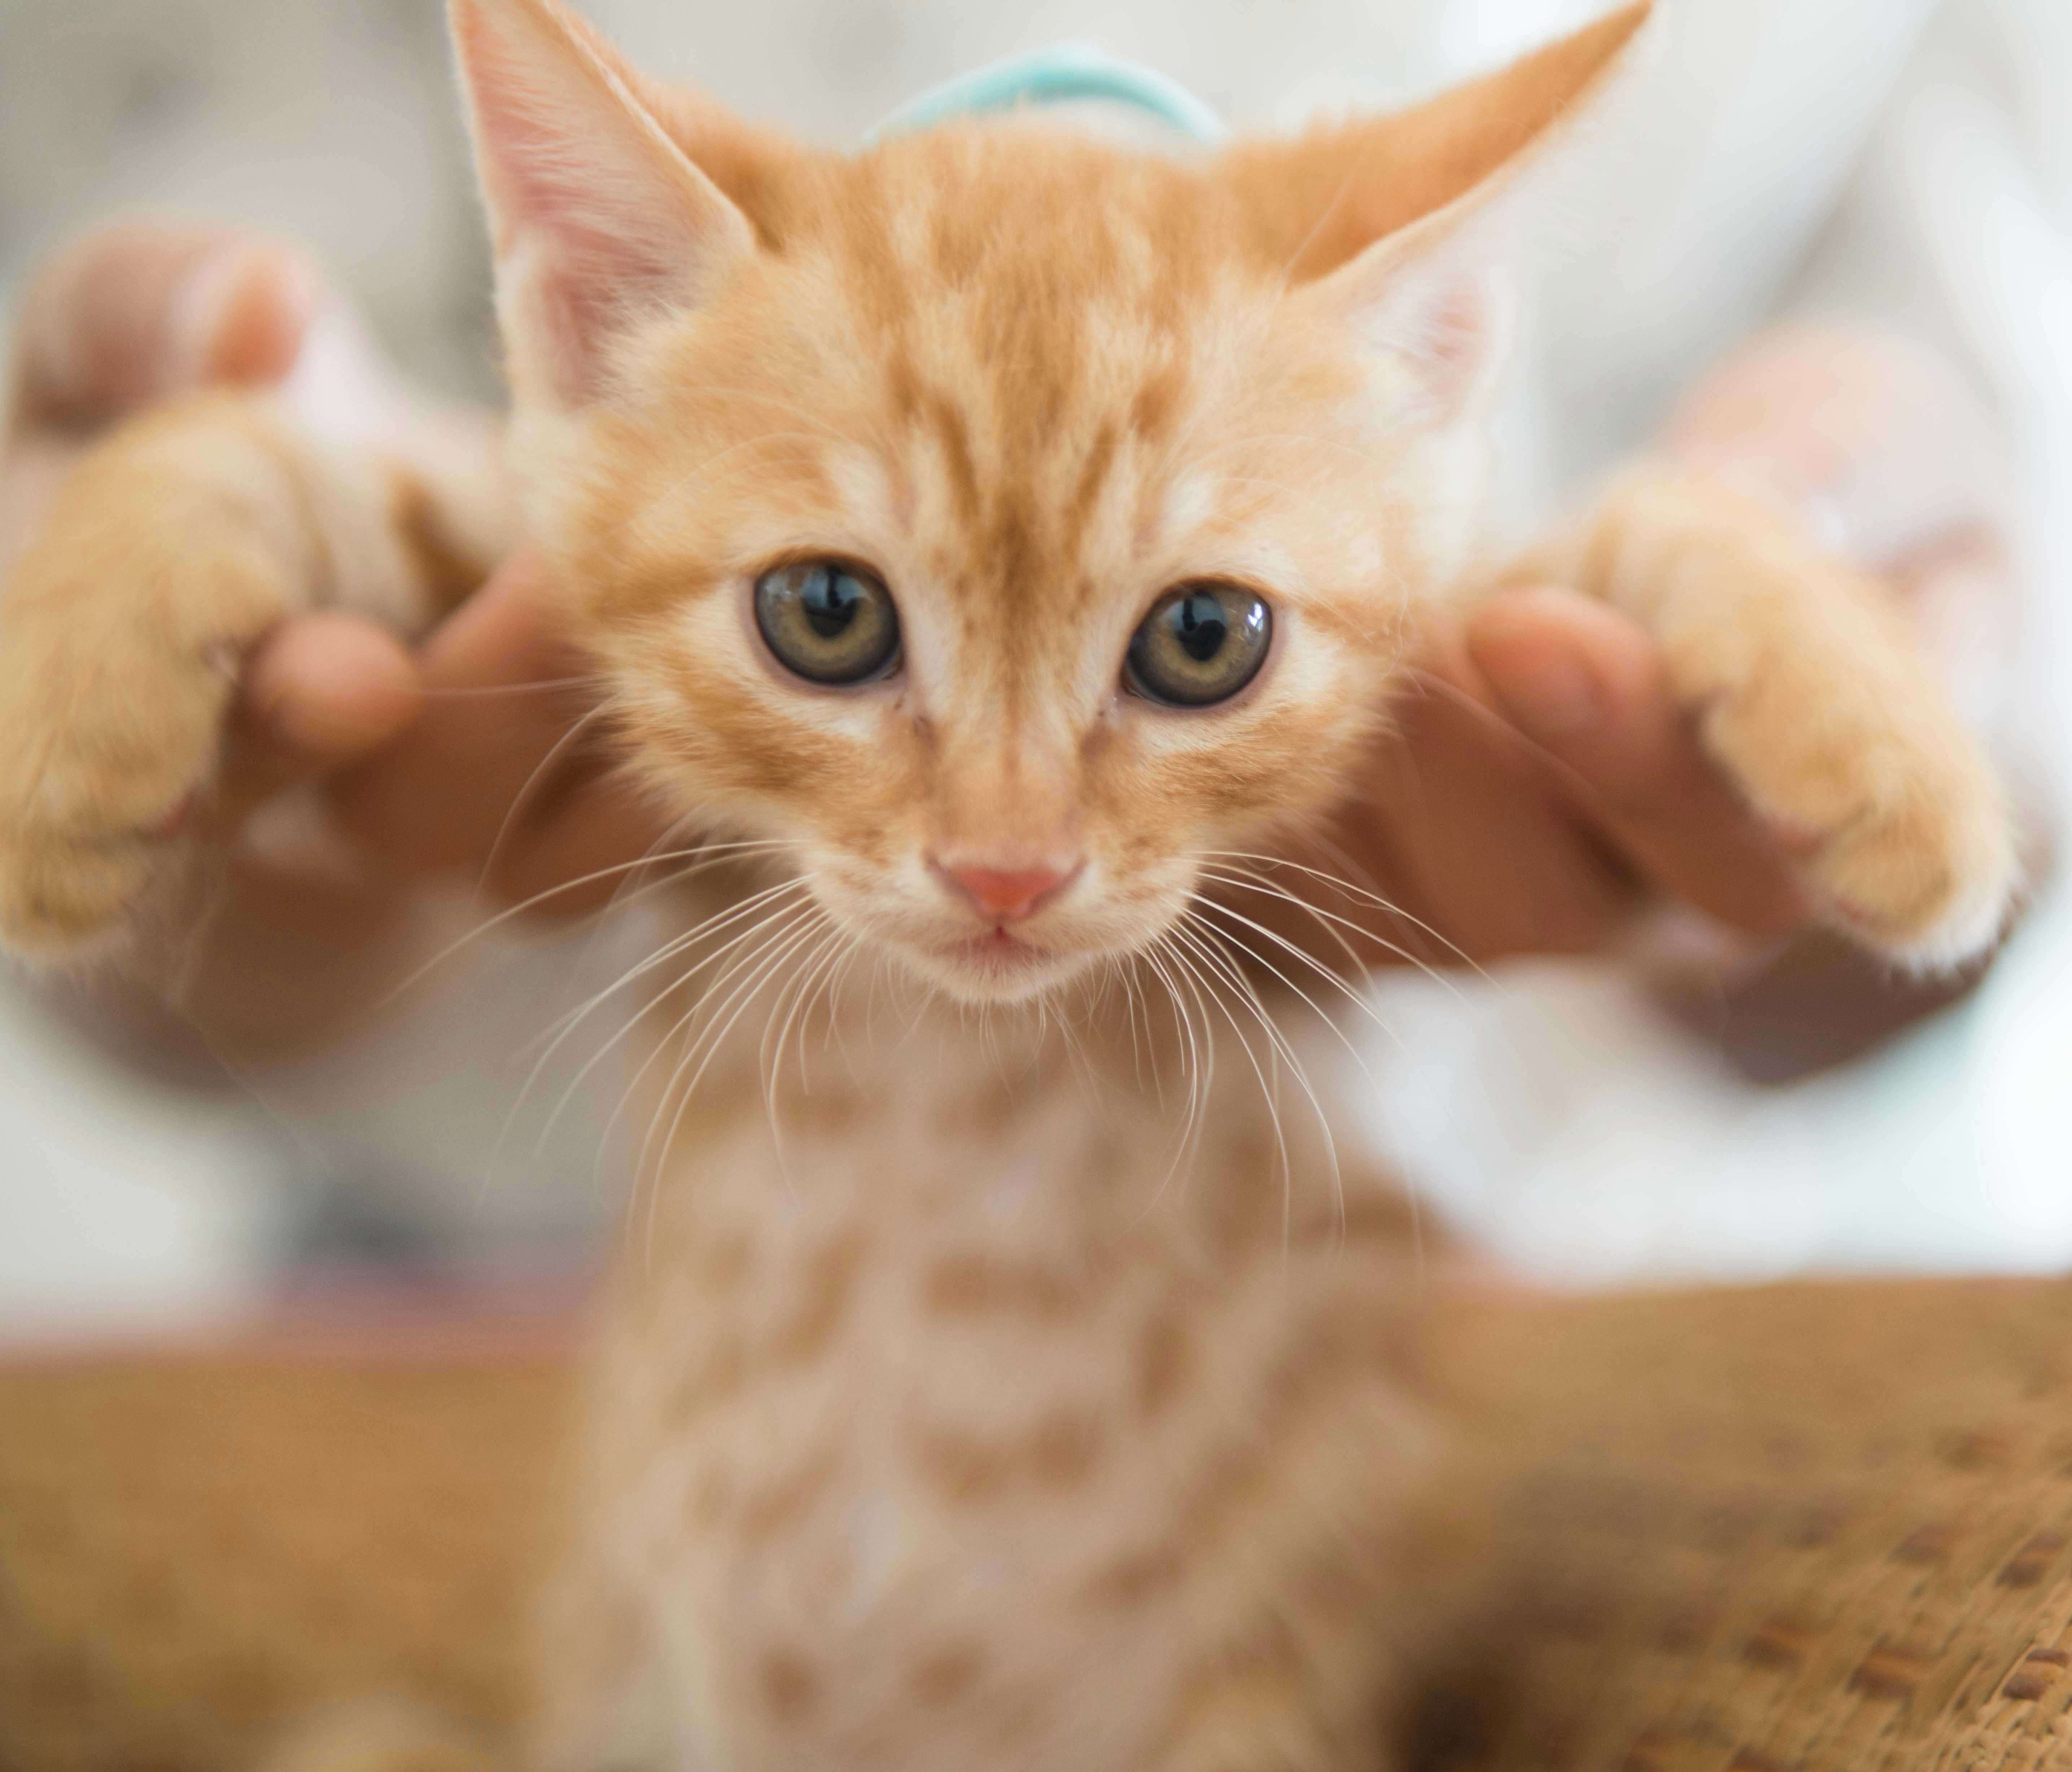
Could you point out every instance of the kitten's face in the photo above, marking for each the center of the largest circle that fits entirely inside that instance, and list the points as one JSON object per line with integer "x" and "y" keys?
{"x": 995, "y": 518}
{"x": 982, "y": 440}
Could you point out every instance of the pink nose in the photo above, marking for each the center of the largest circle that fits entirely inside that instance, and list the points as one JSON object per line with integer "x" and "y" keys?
{"x": 1007, "y": 895}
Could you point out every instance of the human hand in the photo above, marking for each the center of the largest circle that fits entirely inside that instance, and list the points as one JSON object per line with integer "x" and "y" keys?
{"x": 1545, "y": 793}
{"x": 1541, "y": 790}
{"x": 451, "y": 762}
{"x": 123, "y": 320}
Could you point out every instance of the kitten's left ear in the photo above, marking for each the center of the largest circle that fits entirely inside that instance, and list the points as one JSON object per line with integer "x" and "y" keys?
{"x": 597, "y": 217}
{"x": 1400, "y": 226}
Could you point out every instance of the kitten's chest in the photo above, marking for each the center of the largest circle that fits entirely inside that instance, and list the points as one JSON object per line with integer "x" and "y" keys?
{"x": 946, "y": 1295}
{"x": 957, "y": 1347}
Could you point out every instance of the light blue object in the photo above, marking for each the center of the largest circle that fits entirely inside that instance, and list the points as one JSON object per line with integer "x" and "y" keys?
{"x": 1060, "y": 75}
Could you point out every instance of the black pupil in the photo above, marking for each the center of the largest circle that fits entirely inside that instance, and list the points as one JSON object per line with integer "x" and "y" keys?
{"x": 831, "y": 600}
{"x": 1200, "y": 626}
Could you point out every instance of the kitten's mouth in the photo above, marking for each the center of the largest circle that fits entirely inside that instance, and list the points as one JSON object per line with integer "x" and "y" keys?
{"x": 998, "y": 951}
{"x": 998, "y": 966}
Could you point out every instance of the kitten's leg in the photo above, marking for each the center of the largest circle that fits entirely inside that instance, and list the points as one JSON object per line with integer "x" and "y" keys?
{"x": 1811, "y": 692}
{"x": 1258, "y": 1723}
{"x": 171, "y": 547}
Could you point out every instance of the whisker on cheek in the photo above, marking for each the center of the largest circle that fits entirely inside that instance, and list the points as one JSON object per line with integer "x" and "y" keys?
{"x": 540, "y": 771}
{"x": 1215, "y": 958}
{"x": 704, "y": 931}
{"x": 1295, "y": 951}
{"x": 805, "y": 979}
{"x": 712, "y": 927}
{"x": 1200, "y": 1071}
{"x": 1223, "y": 942}
{"x": 1367, "y": 895}
{"x": 712, "y": 1040}
{"x": 703, "y": 856}
{"x": 533, "y": 903}
{"x": 659, "y": 1046}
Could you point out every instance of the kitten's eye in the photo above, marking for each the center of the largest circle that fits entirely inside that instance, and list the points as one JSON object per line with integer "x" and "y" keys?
{"x": 828, "y": 621}
{"x": 1201, "y": 643}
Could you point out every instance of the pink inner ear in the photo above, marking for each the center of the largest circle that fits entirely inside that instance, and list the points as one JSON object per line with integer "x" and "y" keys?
{"x": 1457, "y": 336}
{"x": 581, "y": 280}
{"x": 598, "y": 218}
{"x": 1433, "y": 298}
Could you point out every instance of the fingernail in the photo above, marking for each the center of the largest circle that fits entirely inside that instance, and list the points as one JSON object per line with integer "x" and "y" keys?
{"x": 194, "y": 311}
{"x": 230, "y": 315}
{"x": 1553, "y": 697}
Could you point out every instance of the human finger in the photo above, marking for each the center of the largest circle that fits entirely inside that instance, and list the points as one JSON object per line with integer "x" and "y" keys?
{"x": 1457, "y": 824}
{"x": 485, "y": 779}
{"x": 1590, "y": 688}
{"x": 134, "y": 313}
{"x": 320, "y": 692}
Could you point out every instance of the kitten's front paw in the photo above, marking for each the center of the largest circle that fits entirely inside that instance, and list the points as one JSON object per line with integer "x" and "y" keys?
{"x": 1811, "y": 692}
{"x": 120, "y": 629}
{"x": 104, "y": 736}
{"x": 1905, "y": 825}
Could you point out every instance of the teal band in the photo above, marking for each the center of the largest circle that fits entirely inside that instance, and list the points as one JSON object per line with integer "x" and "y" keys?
{"x": 1051, "y": 77}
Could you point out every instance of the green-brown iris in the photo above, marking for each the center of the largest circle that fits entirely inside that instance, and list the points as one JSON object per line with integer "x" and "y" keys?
{"x": 830, "y": 620}
{"x": 1200, "y": 644}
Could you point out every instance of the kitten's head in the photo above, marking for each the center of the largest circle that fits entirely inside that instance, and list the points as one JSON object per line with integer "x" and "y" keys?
{"x": 1004, "y": 521}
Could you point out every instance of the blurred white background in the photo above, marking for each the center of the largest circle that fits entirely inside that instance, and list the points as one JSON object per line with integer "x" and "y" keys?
{"x": 1888, "y": 156}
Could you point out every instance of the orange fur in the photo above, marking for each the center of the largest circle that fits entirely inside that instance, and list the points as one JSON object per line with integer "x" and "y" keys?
{"x": 1010, "y": 1371}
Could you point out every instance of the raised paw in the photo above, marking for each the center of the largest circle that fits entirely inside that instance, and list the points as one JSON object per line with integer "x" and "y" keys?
{"x": 164, "y": 555}
{"x": 1813, "y": 694}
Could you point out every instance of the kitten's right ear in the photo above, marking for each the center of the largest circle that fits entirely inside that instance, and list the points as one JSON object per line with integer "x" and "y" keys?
{"x": 1399, "y": 229}
{"x": 599, "y": 219}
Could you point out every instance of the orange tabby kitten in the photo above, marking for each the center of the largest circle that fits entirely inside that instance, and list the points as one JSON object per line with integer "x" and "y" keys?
{"x": 1010, "y": 539}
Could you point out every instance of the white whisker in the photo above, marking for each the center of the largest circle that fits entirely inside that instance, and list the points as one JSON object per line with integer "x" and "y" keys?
{"x": 1351, "y": 996}
{"x": 804, "y": 978}
{"x": 709, "y": 928}
{"x": 1222, "y": 941}
{"x": 728, "y": 955}
{"x": 1373, "y": 898}
{"x": 1268, "y": 1090}
{"x": 713, "y": 1042}
{"x": 708, "y": 854}
{"x": 730, "y": 912}
{"x": 1205, "y": 940}
{"x": 518, "y": 909}
{"x": 538, "y": 774}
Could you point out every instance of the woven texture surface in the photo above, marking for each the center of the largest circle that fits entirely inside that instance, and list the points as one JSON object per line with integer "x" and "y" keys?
{"x": 198, "y": 1552}
{"x": 1807, "y": 1527}
{"x": 1812, "y": 1528}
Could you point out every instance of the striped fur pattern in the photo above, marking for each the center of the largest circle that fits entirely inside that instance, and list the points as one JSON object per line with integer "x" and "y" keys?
{"x": 1008, "y": 1368}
